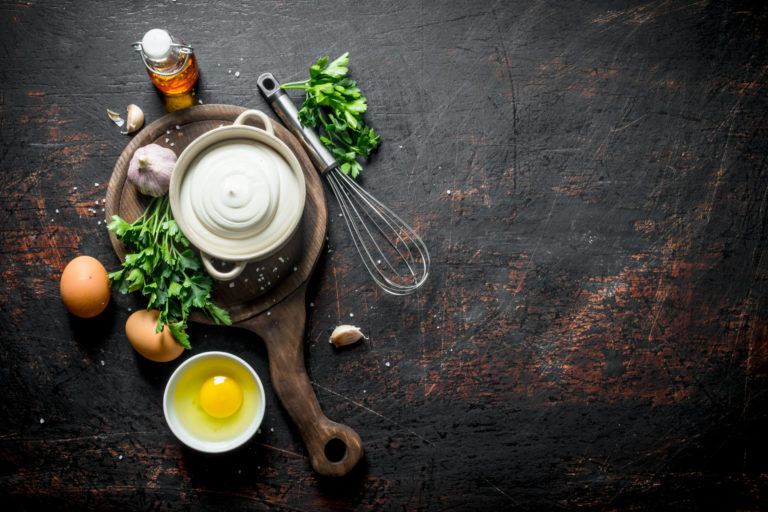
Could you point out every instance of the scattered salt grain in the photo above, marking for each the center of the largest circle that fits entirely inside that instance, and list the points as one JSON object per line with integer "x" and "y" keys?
{"x": 271, "y": 429}
{"x": 281, "y": 259}
{"x": 351, "y": 315}
{"x": 178, "y": 127}
{"x": 42, "y": 421}
{"x": 311, "y": 304}
{"x": 120, "y": 457}
{"x": 295, "y": 269}
{"x": 57, "y": 210}
{"x": 166, "y": 140}
{"x": 269, "y": 313}
{"x": 167, "y": 132}
{"x": 171, "y": 144}
{"x": 200, "y": 102}
{"x": 237, "y": 74}
{"x": 74, "y": 188}
{"x": 448, "y": 192}
{"x": 102, "y": 362}
{"x": 231, "y": 285}
{"x": 386, "y": 364}
{"x": 95, "y": 184}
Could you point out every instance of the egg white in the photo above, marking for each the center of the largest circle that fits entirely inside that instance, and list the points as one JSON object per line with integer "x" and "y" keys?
{"x": 192, "y": 417}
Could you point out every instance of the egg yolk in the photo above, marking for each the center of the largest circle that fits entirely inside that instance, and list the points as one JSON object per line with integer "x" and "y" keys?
{"x": 220, "y": 396}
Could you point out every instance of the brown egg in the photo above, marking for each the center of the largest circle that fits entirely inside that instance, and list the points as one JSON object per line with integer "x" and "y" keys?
{"x": 160, "y": 347}
{"x": 84, "y": 287}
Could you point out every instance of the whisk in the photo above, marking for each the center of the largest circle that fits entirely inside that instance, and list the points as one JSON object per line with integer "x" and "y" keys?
{"x": 392, "y": 252}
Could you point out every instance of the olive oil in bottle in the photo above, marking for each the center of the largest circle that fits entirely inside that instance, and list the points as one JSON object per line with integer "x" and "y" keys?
{"x": 171, "y": 64}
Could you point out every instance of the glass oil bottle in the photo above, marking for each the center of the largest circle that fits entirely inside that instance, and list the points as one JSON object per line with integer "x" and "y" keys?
{"x": 171, "y": 64}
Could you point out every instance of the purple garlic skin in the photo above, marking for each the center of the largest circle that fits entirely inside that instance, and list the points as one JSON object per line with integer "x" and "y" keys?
{"x": 150, "y": 169}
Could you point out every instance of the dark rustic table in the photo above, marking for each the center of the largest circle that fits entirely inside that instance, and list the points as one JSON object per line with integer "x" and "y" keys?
{"x": 591, "y": 180}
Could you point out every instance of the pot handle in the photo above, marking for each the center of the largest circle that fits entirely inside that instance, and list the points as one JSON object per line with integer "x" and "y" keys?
{"x": 217, "y": 274}
{"x": 256, "y": 113}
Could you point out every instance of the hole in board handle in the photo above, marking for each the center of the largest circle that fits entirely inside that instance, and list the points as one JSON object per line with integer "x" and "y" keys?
{"x": 335, "y": 450}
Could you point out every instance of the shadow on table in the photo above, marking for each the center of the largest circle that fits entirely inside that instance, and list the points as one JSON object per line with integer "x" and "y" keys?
{"x": 91, "y": 333}
{"x": 349, "y": 488}
{"x": 249, "y": 468}
{"x": 191, "y": 98}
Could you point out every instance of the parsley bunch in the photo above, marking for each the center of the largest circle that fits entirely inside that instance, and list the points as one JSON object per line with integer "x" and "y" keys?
{"x": 163, "y": 267}
{"x": 334, "y": 102}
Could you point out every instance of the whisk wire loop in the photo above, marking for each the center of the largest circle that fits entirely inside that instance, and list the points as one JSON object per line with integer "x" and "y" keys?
{"x": 392, "y": 253}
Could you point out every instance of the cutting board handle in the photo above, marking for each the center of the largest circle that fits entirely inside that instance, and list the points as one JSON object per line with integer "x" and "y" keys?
{"x": 334, "y": 449}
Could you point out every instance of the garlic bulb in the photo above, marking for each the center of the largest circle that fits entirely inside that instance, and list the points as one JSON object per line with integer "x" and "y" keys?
{"x": 150, "y": 169}
{"x": 345, "y": 335}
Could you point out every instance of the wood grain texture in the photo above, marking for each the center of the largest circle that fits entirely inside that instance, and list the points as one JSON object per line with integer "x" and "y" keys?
{"x": 590, "y": 178}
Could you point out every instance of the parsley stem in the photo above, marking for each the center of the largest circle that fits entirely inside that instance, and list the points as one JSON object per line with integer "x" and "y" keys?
{"x": 163, "y": 267}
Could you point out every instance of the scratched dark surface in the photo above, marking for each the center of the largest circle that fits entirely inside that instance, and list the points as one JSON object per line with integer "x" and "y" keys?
{"x": 590, "y": 177}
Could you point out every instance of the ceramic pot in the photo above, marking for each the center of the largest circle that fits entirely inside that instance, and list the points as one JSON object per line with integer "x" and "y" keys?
{"x": 237, "y": 193}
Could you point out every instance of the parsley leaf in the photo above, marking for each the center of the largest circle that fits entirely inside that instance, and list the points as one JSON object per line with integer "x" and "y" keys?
{"x": 161, "y": 267}
{"x": 334, "y": 103}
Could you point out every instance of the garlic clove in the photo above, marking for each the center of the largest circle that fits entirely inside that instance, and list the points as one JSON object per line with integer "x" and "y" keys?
{"x": 346, "y": 335}
{"x": 134, "y": 119}
{"x": 115, "y": 117}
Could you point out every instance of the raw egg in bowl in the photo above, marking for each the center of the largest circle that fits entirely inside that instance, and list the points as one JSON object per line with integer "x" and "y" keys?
{"x": 214, "y": 402}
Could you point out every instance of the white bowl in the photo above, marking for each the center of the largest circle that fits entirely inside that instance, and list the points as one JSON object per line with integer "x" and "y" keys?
{"x": 189, "y": 438}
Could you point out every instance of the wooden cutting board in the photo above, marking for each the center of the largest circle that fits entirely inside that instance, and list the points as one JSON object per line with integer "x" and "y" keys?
{"x": 268, "y": 298}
